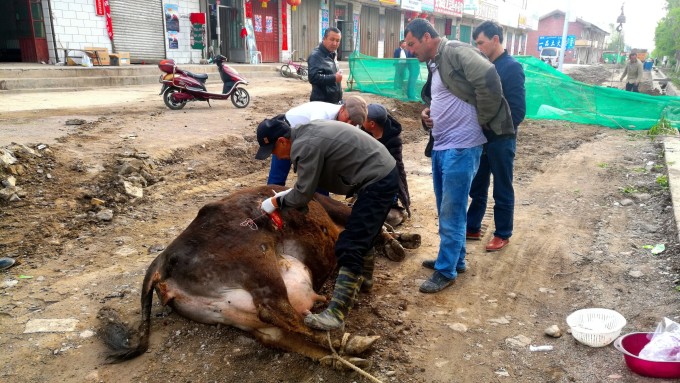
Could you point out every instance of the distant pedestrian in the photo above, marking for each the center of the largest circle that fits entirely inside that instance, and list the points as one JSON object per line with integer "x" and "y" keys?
{"x": 634, "y": 72}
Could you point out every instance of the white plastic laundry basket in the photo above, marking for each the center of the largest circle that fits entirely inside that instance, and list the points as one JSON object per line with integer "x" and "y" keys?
{"x": 596, "y": 327}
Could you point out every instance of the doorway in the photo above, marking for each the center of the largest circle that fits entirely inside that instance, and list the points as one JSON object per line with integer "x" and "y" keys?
{"x": 22, "y": 31}
{"x": 232, "y": 45}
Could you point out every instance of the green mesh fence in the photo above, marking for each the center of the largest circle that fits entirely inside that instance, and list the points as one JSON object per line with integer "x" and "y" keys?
{"x": 550, "y": 94}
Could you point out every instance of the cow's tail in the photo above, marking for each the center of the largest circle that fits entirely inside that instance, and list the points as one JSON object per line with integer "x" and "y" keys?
{"x": 123, "y": 342}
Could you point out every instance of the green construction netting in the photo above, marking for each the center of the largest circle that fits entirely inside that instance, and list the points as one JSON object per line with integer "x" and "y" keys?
{"x": 550, "y": 94}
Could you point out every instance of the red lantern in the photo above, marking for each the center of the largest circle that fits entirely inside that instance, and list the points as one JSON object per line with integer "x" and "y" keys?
{"x": 264, "y": 3}
{"x": 423, "y": 15}
{"x": 294, "y": 3}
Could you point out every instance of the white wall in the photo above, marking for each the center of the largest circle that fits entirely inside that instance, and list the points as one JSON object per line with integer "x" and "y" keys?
{"x": 184, "y": 54}
{"x": 76, "y": 26}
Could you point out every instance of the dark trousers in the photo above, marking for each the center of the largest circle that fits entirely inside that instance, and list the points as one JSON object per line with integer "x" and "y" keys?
{"x": 497, "y": 159}
{"x": 278, "y": 173}
{"x": 365, "y": 222}
{"x": 631, "y": 87}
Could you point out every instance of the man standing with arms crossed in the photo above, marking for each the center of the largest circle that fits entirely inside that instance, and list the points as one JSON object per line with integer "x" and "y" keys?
{"x": 463, "y": 91}
{"x": 498, "y": 154}
{"x": 323, "y": 71}
{"x": 634, "y": 72}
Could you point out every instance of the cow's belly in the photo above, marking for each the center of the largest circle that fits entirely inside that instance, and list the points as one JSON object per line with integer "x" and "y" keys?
{"x": 234, "y": 306}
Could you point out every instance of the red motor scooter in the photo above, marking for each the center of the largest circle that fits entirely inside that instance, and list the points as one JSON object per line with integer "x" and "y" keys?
{"x": 181, "y": 86}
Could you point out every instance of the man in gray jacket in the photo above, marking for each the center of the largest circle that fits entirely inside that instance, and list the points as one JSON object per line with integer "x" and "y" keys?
{"x": 342, "y": 159}
{"x": 634, "y": 72}
{"x": 463, "y": 91}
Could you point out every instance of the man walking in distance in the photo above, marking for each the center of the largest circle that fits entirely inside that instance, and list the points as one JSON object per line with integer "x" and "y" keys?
{"x": 463, "y": 91}
{"x": 498, "y": 154}
{"x": 634, "y": 72}
{"x": 323, "y": 71}
{"x": 342, "y": 159}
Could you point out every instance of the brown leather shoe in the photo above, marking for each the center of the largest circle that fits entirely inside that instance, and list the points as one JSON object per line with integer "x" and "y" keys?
{"x": 473, "y": 236}
{"x": 497, "y": 243}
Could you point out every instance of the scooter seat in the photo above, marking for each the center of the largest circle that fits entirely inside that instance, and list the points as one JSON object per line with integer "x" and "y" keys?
{"x": 197, "y": 76}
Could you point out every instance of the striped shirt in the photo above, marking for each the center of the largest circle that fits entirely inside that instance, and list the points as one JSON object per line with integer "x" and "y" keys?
{"x": 455, "y": 121}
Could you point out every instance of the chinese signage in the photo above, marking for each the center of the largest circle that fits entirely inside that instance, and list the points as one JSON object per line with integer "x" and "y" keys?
{"x": 487, "y": 11}
{"x": 555, "y": 42}
{"x": 449, "y": 7}
{"x": 99, "y": 7}
{"x": 427, "y": 5}
{"x": 470, "y": 5}
{"x": 412, "y": 5}
{"x": 197, "y": 38}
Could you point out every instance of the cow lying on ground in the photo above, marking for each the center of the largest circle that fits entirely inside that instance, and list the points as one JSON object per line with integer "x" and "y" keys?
{"x": 262, "y": 281}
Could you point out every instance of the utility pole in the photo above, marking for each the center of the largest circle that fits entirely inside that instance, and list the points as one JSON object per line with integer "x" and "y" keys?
{"x": 565, "y": 29}
{"x": 621, "y": 19}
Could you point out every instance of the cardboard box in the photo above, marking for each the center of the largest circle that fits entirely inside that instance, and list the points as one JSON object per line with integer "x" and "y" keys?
{"x": 120, "y": 58}
{"x": 102, "y": 53}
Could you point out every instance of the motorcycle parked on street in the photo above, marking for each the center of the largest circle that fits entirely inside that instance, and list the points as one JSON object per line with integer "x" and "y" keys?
{"x": 181, "y": 86}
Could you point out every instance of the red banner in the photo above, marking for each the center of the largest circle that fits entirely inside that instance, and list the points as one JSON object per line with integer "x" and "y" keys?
{"x": 249, "y": 9}
{"x": 284, "y": 26}
{"x": 99, "y": 7}
{"x": 109, "y": 25}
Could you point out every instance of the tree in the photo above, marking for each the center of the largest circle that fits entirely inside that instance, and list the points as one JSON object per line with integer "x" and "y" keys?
{"x": 665, "y": 35}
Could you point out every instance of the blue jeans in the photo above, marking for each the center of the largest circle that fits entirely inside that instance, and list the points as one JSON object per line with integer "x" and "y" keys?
{"x": 497, "y": 158}
{"x": 278, "y": 173}
{"x": 452, "y": 174}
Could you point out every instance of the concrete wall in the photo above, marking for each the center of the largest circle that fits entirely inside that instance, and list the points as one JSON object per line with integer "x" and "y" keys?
{"x": 76, "y": 26}
{"x": 184, "y": 54}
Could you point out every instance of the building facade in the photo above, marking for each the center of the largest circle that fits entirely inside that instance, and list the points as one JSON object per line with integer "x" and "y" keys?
{"x": 585, "y": 41}
{"x": 242, "y": 30}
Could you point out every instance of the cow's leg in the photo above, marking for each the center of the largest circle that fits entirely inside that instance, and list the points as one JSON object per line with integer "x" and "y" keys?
{"x": 318, "y": 347}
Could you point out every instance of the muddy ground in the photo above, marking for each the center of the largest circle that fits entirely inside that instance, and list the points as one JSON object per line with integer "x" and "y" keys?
{"x": 589, "y": 199}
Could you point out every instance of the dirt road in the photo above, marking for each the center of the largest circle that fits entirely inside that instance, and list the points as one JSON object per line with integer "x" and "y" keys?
{"x": 588, "y": 200}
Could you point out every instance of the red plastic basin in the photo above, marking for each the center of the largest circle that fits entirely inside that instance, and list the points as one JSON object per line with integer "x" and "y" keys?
{"x": 631, "y": 345}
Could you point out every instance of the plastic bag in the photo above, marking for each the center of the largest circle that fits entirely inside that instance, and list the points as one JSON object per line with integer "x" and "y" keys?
{"x": 665, "y": 343}
{"x": 86, "y": 61}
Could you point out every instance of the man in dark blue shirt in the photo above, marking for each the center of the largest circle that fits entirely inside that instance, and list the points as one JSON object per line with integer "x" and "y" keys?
{"x": 498, "y": 155}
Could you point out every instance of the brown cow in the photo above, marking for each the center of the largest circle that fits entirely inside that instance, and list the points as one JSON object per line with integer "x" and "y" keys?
{"x": 262, "y": 281}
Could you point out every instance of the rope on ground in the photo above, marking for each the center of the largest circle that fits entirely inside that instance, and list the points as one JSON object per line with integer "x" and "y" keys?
{"x": 344, "y": 361}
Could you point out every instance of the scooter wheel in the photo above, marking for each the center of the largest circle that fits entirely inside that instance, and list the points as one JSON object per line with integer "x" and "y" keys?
{"x": 169, "y": 102}
{"x": 240, "y": 98}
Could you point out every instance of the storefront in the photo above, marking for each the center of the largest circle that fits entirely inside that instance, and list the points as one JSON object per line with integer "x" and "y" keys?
{"x": 138, "y": 28}
{"x": 23, "y": 36}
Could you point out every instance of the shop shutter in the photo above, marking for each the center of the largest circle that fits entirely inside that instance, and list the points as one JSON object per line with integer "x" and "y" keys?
{"x": 466, "y": 34}
{"x": 305, "y": 29}
{"x": 138, "y": 28}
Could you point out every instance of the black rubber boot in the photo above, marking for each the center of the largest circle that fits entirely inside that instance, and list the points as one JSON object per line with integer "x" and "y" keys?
{"x": 344, "y": 293}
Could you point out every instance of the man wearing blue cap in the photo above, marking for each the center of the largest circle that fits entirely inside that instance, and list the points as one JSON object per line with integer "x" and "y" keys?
{"x": 342, "y": 159}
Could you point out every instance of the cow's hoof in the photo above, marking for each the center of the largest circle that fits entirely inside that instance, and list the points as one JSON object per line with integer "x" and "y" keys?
{"x": 409, "y": 240}
{"x": 359, "y": 344}
{"x": 394, "y": 251}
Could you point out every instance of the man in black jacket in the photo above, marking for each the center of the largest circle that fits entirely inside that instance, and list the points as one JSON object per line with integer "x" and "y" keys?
{"x": 323, "y": 69}
{"x": 387, "y": 130}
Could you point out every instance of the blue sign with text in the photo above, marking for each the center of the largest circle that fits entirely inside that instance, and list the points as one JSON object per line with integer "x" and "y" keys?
{"x": 555, "y": 42}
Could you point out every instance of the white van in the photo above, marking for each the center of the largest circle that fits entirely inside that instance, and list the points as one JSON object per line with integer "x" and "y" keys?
{"x": 550, "y": 56}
